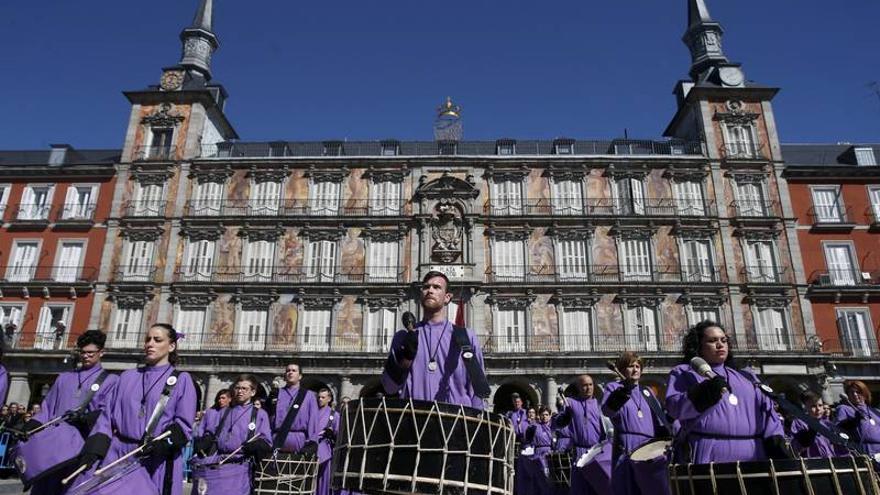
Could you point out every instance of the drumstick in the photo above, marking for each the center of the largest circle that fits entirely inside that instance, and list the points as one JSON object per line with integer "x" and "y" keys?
{"x": 45, "y": 425}
{"x": 133, "y": 452}
{"x": 236, "y": 451}
{"x": 613, "y": 368}
{"x": 76, "y": 473}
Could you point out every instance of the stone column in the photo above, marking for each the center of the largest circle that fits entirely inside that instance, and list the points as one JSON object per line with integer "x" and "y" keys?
{"x": 550, "y": 392}
{"x": 19, "y": 388}
{"x": 346, "y": 389}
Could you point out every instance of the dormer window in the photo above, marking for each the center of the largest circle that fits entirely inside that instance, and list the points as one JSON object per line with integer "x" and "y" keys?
{"x": 563, "y": 147}
{"x": 333, "y": 148}
{"x": 278, "y": 149}
{"x": 389, "y": 148}
{"x": 446, "y": 147}
{"x": 505, "y": 147}
{"x": 865, "y": 157}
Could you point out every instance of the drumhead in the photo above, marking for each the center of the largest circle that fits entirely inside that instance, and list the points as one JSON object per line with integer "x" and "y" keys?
{"x": 651, "y": 450}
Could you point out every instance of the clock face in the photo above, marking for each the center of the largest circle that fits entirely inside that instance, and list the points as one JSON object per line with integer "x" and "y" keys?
{"x": 171, "y": 80}
{"x": 731, "y": 76}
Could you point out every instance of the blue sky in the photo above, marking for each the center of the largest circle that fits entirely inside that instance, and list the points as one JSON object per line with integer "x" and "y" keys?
{"x": 300, "y": 70}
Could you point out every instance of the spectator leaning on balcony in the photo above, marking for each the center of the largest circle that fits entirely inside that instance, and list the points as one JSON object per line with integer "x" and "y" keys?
{"x": 435, "y": 360}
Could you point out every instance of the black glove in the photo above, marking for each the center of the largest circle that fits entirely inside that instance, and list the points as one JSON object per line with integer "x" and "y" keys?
{"x": 707, "y": 393}
{"x": 851, "y": 424}
{"x": 619, "y": 397}
{"x": 31, "y": 424}
{"x": 205, "y": 445}
{"x": 530, "y": 434}
{"x": 169, "y": 446}
{"x": 94, "y": 449}
{"x": 84, "y": 421}
{"x": 258, "y": 449}
{"x": 805, "y": 438}
{"x": 777, "y": 448}
{"x": 310, "y": 449}
{"x": 328, "y": 434}
{"x": 409, "y": 347}
{"x": 560, "y": 404}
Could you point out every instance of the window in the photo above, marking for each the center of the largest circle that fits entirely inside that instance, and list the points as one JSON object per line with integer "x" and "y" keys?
{"x": 696, "y": 261}
{"x": 325, "y": 197}
{"x": 278, "y": 149}
{"x": 36, "y": 201}
{"x": 842, "y": 269}
{"x": 161, "y": 145}
{"x": 635, "y": 260}
{"x": 381, "y": 324}
{"x": 52, "y": 327}
{"x": 149, "y": 200}
{"x": 689, "y": 198}
{"x": 865, "y": 157}
{"x": 576, "y": 334}
{"x": 629, "y": 196}
{"x": 252, "y": 329}
{"x": 138, "y": 261}
{"x": 856, "y": 332}
{"x": 4, "y": 198}
{"x": 191, "y": 321}
{"x": 390, "y": 149}
{"x": 23, "y": 262}
{"x": 199, "y": 260}
{"x": 510, "y": 330}
{"x": 67, "y": 267}
{"x": 126, "y": 330}
{"x": 259, "y": 261}
{"x": 506, "y": 197}
{"x": 762, "y": 267}
{"x": 508, "y": 260}
{"x": 505, "y": 148}
{"x": 572, "y": 260}
{"x": 321, "y": 258}
{"x": 315, "y": 334}
{"x": 568, "y": 197}
{"x": 208, "y": 198}
{"x": 740, "y": 141}
{"x": 563, "y": 148}
{"x": 385, "y": 198}
{"x": 265, "y": 198}
{"x": 750, "y": 200}
{"x": 772, "y": 329}
{"x": 874, "y": 197}
{"x": 826, "y": 205}
{"x": 640, "y": 332}
{"x": 383, "y": 265}
{"x": 698, "y": 315}
{"x": 10, "y": 322}
{"x": 79, "y": 203}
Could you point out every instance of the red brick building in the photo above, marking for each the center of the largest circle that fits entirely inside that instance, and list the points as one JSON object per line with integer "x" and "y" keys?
{"x": 835, "y": 193}
{"x": 54, "y": 206}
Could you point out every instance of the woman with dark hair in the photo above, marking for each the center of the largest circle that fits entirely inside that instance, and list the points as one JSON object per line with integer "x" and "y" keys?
{"x": 123, "y": 427}
{"x": 222, "y": 399}
{"x": 724, "y": 418}
{"x": 631, "y": 410}
{"x": 858, "y": 418}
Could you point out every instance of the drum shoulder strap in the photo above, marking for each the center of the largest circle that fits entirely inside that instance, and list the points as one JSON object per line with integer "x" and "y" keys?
{"x": 475, "y": 371}
{"x": 84, "y": 403}
{"x": 222, "y": 420}
{"x": 658, "y": 411}
{"x": 163, "y": 401}
{"x": 292, "y": 411}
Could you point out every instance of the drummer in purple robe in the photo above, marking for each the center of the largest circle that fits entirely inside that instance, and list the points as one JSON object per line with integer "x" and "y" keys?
{"x": 222, "y": 399}
{"x": 122, "y": 427}
{"x": 859, "y": 419}
{"x": 242, "y": 439}
{"x": 539, "y": 438}
{"x": 426, "y": 363}
{"x": 635, "y": 424}
{"x": 805, "y": 440}
{"x": 724, "y": 418}
{"x": 518, "y": 416}
{"x": 583, "y": 418}
{"x": 328, "y": 422}
{"x": 66, "y": 397}
{"x": 301, "y": 404}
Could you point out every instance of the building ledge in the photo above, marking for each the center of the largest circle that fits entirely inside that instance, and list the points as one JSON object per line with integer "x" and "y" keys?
{"x": 843, "y": 227}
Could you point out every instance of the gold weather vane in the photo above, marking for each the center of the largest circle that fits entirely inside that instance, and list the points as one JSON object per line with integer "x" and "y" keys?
{"x": 449, "y": 108}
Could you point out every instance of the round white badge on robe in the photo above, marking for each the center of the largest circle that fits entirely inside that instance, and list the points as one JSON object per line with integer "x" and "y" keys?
{"x": 646, "y": 393}
{"x": 95, "y": 387}
{"x": 171, "y": 381}
{"x": 640, "y": 414}
{"x": 766, "y": 388}
{"x": 734, "y": 400}
{"x": 873, "y": 423}
{"x": 432, "y": 366}
{"x": 296, "y": 406}
{"x": 252, "y": 426}
{"x": 467, "y": 355}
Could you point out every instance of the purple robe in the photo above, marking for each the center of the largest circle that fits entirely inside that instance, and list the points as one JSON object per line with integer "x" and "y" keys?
{"x": 66, "y": 393}
{"x": 4, "y": 383}
{"x": 583, "y": 419}
{"x": 724, "y": 432}
{"x": 519, "y": 418}
{"x": 450, "y": 382}
{"x": 531, "y": 472}
{"x": 305, "y": 425}
{"x": 821, "y": 446}
{"x": 327, "y": 418}
{"x": 563, "y": 439}
{"x": 125, "y": 425}
{"x": 867, "y": 434}
{"x": 236, "y": 472}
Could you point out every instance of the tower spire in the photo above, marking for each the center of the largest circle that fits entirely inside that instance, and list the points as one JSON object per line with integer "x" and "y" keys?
{"x": 199, "y": 41}
{"x": 703, "y": 39}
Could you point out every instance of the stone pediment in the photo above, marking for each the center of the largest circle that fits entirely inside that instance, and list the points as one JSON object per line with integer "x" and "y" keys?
{"x": 447, "y": 186}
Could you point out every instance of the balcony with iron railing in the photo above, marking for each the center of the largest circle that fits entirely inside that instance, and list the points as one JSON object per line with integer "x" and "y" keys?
{"x": 155, "y": 153}
{"x": 135, "y": 273}
{"x": 75, "y": 213}
{"x": 283, "y": 274}
{"x": 146, "y": 209}
{"x": 743, "y": 150}
{"x": 765, "y": 275}
{"x": 601, "y": 274}
{"x": 746, "y": 209}
{"x": 294, "y": 207}
{"x": 831, "y": 218}
{"x": 864, "y": 346}
{"x": 601, "y": 207}
{"x": 844, "y": 278}
{"x": 41, "y": 274}
{"x": 32, "y": 213}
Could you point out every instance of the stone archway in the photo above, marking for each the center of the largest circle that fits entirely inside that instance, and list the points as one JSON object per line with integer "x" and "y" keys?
{"x": 502, "y": 401}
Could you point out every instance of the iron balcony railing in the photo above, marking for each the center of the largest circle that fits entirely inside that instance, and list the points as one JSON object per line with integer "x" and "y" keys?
{"x": 858, "y": 347}
{"x": 283, "y": 274}
{"x": 155, "y": 153}
{"x": 294, "y": 207}
{"x": 843, "y": 277}
{"x": 622, "y": 147}
{"x": 135, "y": 273}
{"x": 75, "y": 213}
{"x": 765, "y": 274}
{"x": 665, "y": 207}
{"x": 153, "y": 208}
{"x": 58, "y": 274}
{"x": 599, "y": 274}
{"x": 755, "y": 208}
{"x": 33, "y": 212}
{"x": 835, "y": 214}
{"x": 743, "y": 150}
